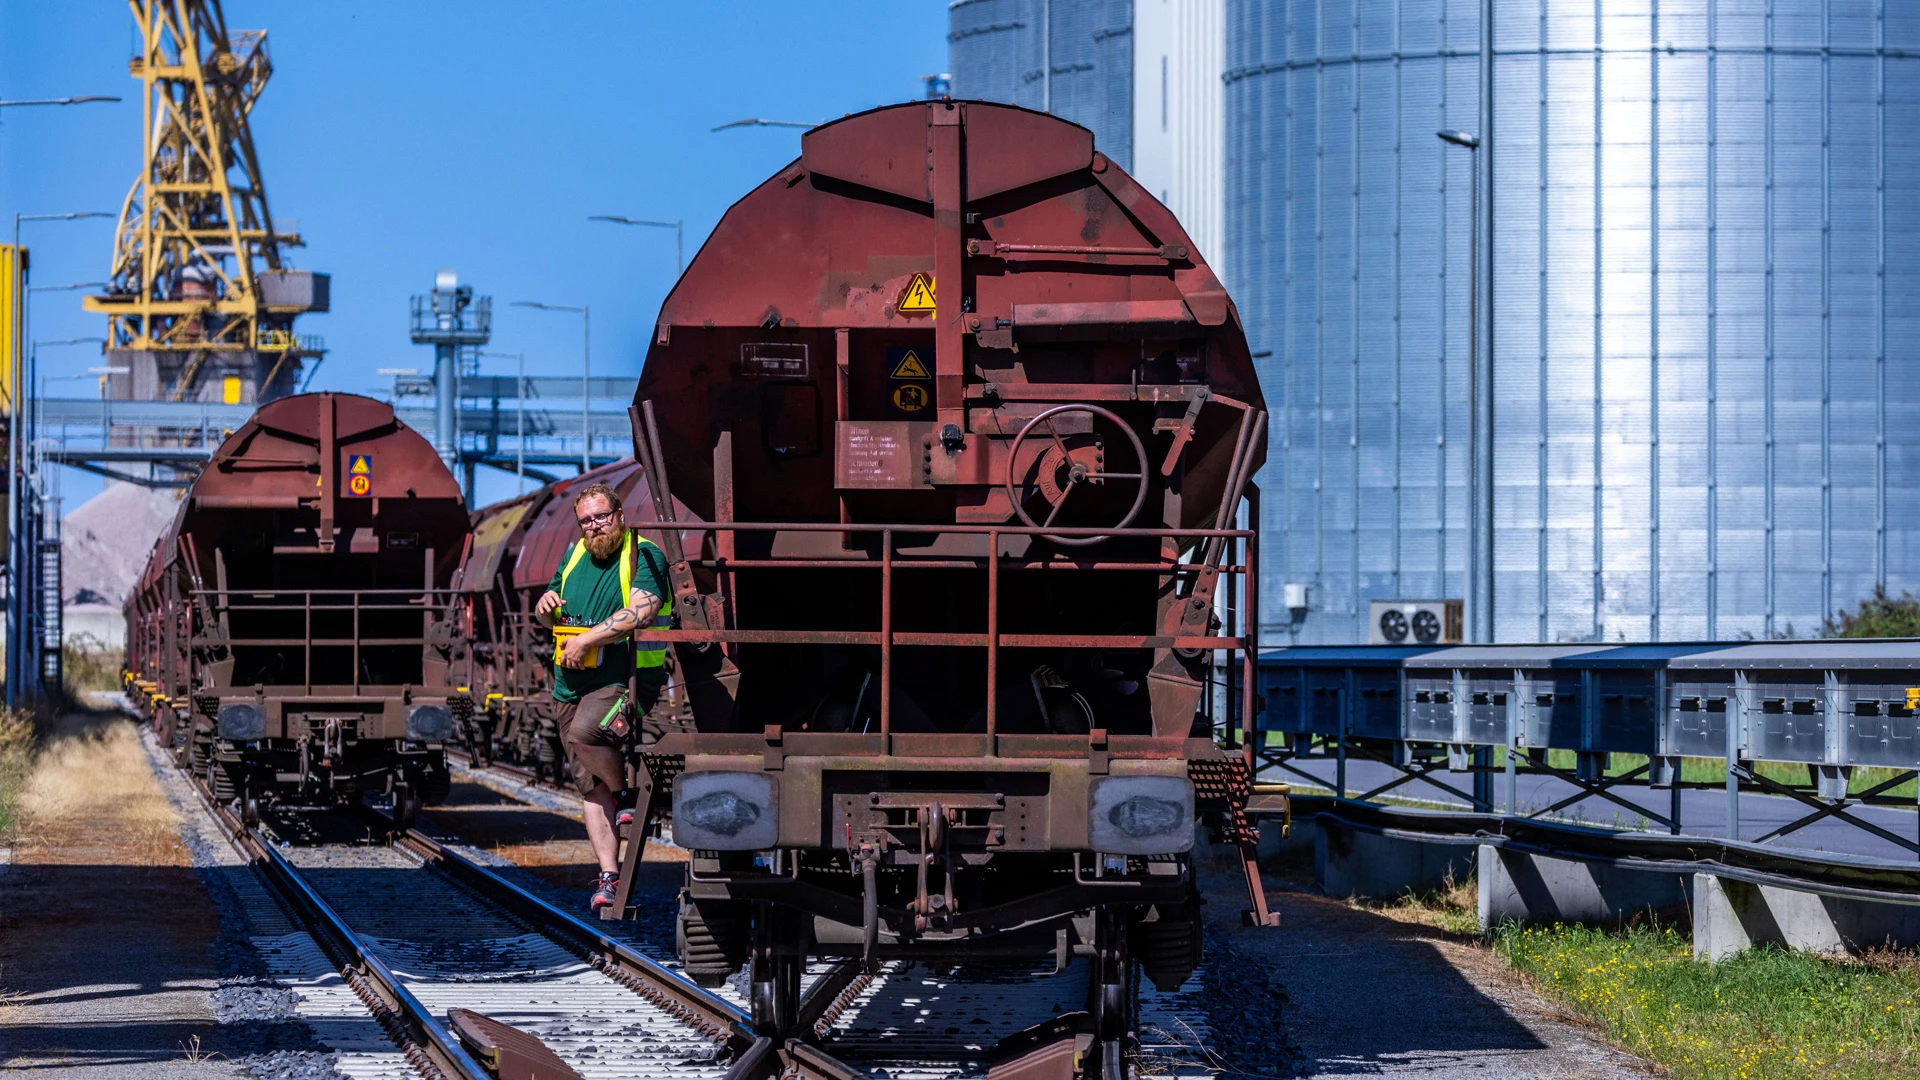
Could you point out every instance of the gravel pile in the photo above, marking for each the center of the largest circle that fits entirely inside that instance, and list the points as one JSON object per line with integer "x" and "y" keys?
{"x": 1246, "y": 1009}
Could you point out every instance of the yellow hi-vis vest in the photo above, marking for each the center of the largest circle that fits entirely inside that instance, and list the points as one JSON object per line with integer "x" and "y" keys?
{"x": 645, "y": 653}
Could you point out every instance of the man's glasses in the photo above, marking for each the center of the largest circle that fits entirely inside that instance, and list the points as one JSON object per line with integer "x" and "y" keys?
{"x": 598, "y": 520}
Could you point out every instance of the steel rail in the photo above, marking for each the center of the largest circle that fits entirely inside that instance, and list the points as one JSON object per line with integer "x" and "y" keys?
{"x": 710, "y": 1015}
{"x": 755, "y": 1057}
{"x": 426, "y": 1043}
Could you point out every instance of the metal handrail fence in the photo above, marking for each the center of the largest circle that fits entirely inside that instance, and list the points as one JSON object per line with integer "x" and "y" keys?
{"x": 1241, "y": 564}
{"x": 223, "y": 603}
{"x": 1831, "y": 706}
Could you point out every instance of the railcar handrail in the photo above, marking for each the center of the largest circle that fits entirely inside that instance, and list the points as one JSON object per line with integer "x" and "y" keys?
{"x": 875, "y": 527}
{"x": 1202, "y": 591}
{"x": 423, "y": 600}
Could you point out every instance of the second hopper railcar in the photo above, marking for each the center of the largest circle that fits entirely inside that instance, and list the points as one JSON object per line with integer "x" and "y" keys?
{"x": 290, "y": 629}
{"x": 506, "y": 712}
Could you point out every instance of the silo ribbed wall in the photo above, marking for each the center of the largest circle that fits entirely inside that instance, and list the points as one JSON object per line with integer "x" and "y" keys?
{"x": 996, "y": 50}
{"x": 1706, "y": 283}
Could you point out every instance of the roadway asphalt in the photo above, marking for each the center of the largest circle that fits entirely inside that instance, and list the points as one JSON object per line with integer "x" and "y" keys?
{"x": 1702, "y": 812}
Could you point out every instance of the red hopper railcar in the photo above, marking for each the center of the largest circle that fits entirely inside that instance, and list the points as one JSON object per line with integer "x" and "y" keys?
{"x": 289, "y": 630}
{"x": 965, "y": 418}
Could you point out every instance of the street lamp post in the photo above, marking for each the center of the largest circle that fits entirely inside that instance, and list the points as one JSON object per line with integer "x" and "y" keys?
{"x": 81, "y": 100}
{"x": 16, "y": 392}
{"x": 519, "y": 413}
{"x": 586, "y": 388}
{"x": 679, "y": 264}
{"x": 754, "y": 121}
{"x": 1479, "y": 427}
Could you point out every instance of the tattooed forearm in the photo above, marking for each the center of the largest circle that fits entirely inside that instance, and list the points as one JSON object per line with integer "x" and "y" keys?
{"x": 620, "y": 622}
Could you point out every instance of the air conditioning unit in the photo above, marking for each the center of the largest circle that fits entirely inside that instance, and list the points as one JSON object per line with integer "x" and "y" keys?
{"x": 1416, "y": 622}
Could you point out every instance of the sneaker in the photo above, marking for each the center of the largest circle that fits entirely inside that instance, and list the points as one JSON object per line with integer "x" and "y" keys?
{"x": 603, "y": 890}
{"x": 624, "y": 808}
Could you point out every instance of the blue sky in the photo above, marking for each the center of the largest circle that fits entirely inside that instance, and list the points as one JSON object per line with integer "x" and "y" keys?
{"x": 409, "y": 136}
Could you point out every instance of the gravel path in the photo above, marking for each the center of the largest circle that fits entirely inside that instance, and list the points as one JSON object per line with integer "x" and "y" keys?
{"x": 275, "y": 985}
{"x": 1338, "y": 991}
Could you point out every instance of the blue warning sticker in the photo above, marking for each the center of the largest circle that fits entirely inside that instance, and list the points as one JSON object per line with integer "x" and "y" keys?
{"x": 360, "y": 475}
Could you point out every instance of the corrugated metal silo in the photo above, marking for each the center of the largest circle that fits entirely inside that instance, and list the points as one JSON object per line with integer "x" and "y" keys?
{"x": 1706, "y": 267}
{"x": 1178, "y": 54}
{"x": 996, "y": 50}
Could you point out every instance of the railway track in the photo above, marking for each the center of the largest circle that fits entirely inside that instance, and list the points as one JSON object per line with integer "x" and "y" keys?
{"x": 458, "y": 965}
{"x": 915, "y": 1023}
{"x": 431, "y": 943}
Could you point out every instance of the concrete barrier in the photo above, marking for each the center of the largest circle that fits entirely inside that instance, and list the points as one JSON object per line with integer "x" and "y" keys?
{"x": 1727, "y": 914}
{"x": 1730, "y": 915}
{"x": 1530, "y": 887}
{"x": 1350, "y": 862}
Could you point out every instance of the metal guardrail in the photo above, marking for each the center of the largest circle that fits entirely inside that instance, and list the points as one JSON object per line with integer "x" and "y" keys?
{"x": 548, "y": 386}
{"x": 1844, "y": 876}
{"x": 1832, "y": 706}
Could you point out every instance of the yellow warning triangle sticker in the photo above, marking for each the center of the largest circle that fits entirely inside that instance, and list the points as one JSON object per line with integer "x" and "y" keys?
{"x": 910, "y": 367}
{"x": 360, "y": 466}
{"x": 918, "y": 297}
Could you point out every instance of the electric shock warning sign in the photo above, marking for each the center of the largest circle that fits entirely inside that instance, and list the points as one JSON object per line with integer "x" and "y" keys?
{"x": 910, "y": 381}
{"x": 360, "y": 475}
{"x": 917, "y": 297}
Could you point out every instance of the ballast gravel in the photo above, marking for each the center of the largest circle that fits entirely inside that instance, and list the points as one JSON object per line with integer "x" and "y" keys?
{"x": 262, "y": 1031}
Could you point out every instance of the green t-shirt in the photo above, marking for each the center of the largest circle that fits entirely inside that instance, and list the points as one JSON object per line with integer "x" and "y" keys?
{"x": 592, "y": 594}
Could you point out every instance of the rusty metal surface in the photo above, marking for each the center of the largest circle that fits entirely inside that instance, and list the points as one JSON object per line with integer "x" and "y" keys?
{"x": 304, "y": 578}
{"x": 883, "y": 475}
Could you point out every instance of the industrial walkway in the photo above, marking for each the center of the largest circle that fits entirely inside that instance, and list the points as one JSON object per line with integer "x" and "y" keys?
{"x": 1702, "y": 812}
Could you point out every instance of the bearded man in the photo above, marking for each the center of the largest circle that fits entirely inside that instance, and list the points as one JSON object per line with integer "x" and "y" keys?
{"x": 611, "y": 583}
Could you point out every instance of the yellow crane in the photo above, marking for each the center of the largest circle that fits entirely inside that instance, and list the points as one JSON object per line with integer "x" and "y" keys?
{"x": 199, "y": 291}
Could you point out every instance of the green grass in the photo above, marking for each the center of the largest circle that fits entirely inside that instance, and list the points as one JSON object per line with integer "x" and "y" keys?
{"x": 17, "y": 737}
{"x": 1767, "y": 1012}
{"x": 85, "y": 664}
{"x": 1712, "y": 771}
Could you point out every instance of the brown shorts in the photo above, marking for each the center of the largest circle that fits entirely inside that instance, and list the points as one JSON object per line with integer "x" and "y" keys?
{"x": 580, "y": 726}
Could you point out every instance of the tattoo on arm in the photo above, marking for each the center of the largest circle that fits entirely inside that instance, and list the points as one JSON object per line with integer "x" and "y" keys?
{"x": 628, "y": 619}
{"x": 620, "y": 622}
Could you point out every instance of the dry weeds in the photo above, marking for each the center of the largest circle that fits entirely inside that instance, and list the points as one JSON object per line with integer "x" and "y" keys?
{"x": 90, "y": 772}
{"x": 1453, "y": 907}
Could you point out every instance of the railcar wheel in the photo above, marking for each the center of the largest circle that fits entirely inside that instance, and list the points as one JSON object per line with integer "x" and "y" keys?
{"x": 250, "y": 811}
{"x": 778, "y": 960}
{"x": 406, "y": 809}
{"x": 1113, "y": 996}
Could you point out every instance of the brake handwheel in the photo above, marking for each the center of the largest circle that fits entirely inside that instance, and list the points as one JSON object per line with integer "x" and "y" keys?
{"x": 1060, "y": 472}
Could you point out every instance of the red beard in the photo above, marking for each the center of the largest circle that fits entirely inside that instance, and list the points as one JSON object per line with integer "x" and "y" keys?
{"x": 601, "y": 545}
